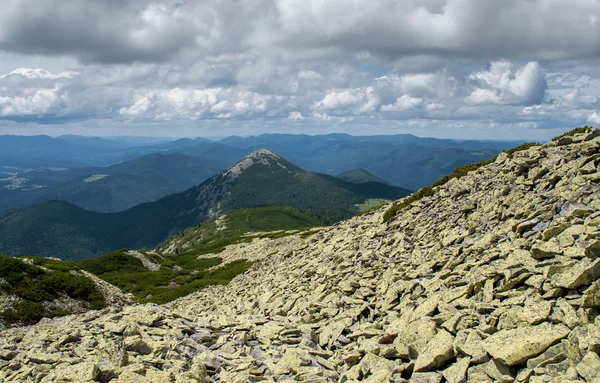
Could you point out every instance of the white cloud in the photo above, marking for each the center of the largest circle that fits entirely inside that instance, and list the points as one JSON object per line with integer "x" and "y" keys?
{"x": 177, "y": 103}
{"x": 501, "y": 84}
{"x": 327, "y": 118}
{"x": 358, "y": 100}
{"x": 574, "y": 98}
{"x": 30, "y": 102}
{"x": 434, "y": 106}
{"x": 438, "y": 84}
{"x": 402, "y": 103}
{"x": 295, "y": 115}
{"x": 34, "y": 74}
{"x": 594, "y": 118}
{"x": 483, "y": 96}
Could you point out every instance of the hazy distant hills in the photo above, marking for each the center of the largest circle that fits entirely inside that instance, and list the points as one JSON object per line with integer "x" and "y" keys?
{"x": 403, "y": 160}
{"x": 360, "y": 176}
{"x": 35, "y": 152}
{"x": 108, "y": 189}
{"x": 63, "y": 230}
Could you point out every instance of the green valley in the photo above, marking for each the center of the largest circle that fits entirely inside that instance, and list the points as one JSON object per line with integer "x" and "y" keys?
{"x": 63, "y": 230}
{"x": 108, "y": 189}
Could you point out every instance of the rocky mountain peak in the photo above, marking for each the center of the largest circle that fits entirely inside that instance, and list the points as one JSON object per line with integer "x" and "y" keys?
{"x": 263, "y": 153}
{"x": 491, "y": 277}
{"x": 259, "y": 157}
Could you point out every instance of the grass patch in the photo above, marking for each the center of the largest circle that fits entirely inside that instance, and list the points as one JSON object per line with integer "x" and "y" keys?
{"x": 308, "y": 233}
{"x": 372, "y": 204}
{"x": 459, "y": 172}
{"x": 195, "y": 282}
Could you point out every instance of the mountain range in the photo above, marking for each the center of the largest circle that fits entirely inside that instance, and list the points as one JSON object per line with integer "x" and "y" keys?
{"x": 61, "y": 229}
{"x": 492, "y": 274}
{"x": 403, "y": 160}
{"x": 111, "y": 188}
{"x": 359, "y": 176}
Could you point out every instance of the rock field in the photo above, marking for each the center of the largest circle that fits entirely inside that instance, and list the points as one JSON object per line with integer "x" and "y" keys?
{"x": 495, "y": 278}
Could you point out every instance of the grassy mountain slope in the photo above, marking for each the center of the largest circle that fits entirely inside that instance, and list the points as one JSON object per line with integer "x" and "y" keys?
{"x": 56, "y": 229}
{"x": 260, "y": 179}
{"x": 179, "y": 271}
{"x": 359, "y": 176}
{"x": 235, "y": 226}
{"x": 108, "y": 189}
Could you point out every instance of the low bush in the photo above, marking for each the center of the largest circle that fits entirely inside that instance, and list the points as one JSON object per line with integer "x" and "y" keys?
{"x": 116, "y": 261}
{"x": 25, "y": 312}
{"x": 35, "y": 286}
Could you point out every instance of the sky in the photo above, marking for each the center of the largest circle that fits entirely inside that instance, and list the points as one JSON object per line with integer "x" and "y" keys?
{"x": 484, "y": 69}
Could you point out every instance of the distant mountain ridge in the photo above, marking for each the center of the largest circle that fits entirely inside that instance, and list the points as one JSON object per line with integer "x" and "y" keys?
{"x": 404, "y": 160}
{"x": 108, "y": 189}
{"x": 359, "y": 176}
{"x": 262, "y": 178}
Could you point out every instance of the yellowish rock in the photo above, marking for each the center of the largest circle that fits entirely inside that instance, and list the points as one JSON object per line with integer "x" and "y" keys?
{"x": 437, "y": 352}
{"x": 513, "y": 347}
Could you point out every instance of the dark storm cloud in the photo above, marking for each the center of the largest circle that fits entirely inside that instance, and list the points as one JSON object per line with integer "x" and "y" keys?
{"x": 112, "y": 31}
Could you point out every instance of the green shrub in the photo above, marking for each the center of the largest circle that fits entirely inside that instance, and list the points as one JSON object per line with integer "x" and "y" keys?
{"x": 35, "y": 286}
{"x": 190, "y": 283}
{"x": 9, "y": 316}
{"x": 116, "y": 261}
{"x": 57, "y": 312}
{"x": 30, "y": 312}
{"x": 36, "y": 293}
{"x": 55, "y": 264}
{"x": 308, "y": 233}
{"x": 16, "y": 271}
{"x": 96, "y": 300}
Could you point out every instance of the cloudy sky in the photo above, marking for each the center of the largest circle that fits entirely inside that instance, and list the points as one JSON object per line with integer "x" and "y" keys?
{"x": 446, "y": 68}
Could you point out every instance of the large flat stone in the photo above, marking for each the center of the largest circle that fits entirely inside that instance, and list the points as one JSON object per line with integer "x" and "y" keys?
{"x": 437, "y": 352}
{"x": 573, "y": 276}
{"x": 515, "y": 347}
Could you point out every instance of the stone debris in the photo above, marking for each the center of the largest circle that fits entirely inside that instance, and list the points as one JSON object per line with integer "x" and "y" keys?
{"x": 492, "y": 279}
{"x": 152, "y": 266}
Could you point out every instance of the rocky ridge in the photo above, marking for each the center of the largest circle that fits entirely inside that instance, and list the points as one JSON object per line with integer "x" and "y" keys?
{"x": 494, "y": 278}
{"x": 261, "y": 156}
